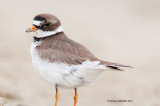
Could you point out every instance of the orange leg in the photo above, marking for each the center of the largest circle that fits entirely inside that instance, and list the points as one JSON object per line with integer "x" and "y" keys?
{"x": 75, "y": 97}
{"x": 57, "y": 95}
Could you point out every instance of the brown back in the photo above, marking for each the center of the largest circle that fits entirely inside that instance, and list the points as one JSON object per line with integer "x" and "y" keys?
{"x": 62, "y": 49}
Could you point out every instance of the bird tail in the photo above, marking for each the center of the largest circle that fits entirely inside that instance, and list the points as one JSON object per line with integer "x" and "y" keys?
{"x": 114, "y": 66}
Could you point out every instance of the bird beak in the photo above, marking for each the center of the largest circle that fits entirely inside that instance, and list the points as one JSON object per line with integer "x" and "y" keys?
{"x": 31, "y": 29}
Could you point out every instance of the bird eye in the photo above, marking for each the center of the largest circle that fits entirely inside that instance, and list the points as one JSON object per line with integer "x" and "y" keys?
{"x": 47, "y": 24}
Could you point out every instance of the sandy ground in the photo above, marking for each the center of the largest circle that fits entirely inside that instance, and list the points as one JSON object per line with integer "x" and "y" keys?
{"x": 123, "y": 31}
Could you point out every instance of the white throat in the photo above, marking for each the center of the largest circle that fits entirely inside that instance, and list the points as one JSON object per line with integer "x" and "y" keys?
{"x": 39, "y": 33}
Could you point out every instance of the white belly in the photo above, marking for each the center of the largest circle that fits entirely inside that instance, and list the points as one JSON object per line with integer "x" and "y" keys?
{"x": 65, "y": 75}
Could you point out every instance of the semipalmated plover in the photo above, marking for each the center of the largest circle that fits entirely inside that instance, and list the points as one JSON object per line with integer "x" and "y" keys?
{"x": 62, "y": 61}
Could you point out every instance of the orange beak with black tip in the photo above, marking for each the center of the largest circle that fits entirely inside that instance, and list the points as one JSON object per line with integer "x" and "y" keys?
{"x": 31, "y": 29}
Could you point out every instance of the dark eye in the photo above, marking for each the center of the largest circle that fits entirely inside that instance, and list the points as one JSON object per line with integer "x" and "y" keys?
{"x": 47, "y": 24}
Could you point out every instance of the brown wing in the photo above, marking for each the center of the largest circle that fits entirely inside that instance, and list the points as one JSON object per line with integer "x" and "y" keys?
{"x": 62, "y": 49}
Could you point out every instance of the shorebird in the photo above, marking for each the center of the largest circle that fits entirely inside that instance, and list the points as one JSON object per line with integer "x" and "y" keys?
{"x": 62, "y": 61}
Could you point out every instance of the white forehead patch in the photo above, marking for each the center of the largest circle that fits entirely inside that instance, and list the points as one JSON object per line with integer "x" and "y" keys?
{"x": 37, "y": 23}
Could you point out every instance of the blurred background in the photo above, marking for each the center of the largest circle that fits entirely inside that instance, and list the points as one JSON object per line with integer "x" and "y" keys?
{"x": 122, "y": 31}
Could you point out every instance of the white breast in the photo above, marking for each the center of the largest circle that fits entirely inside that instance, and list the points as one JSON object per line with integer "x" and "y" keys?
{"x": 63, "y": 74}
